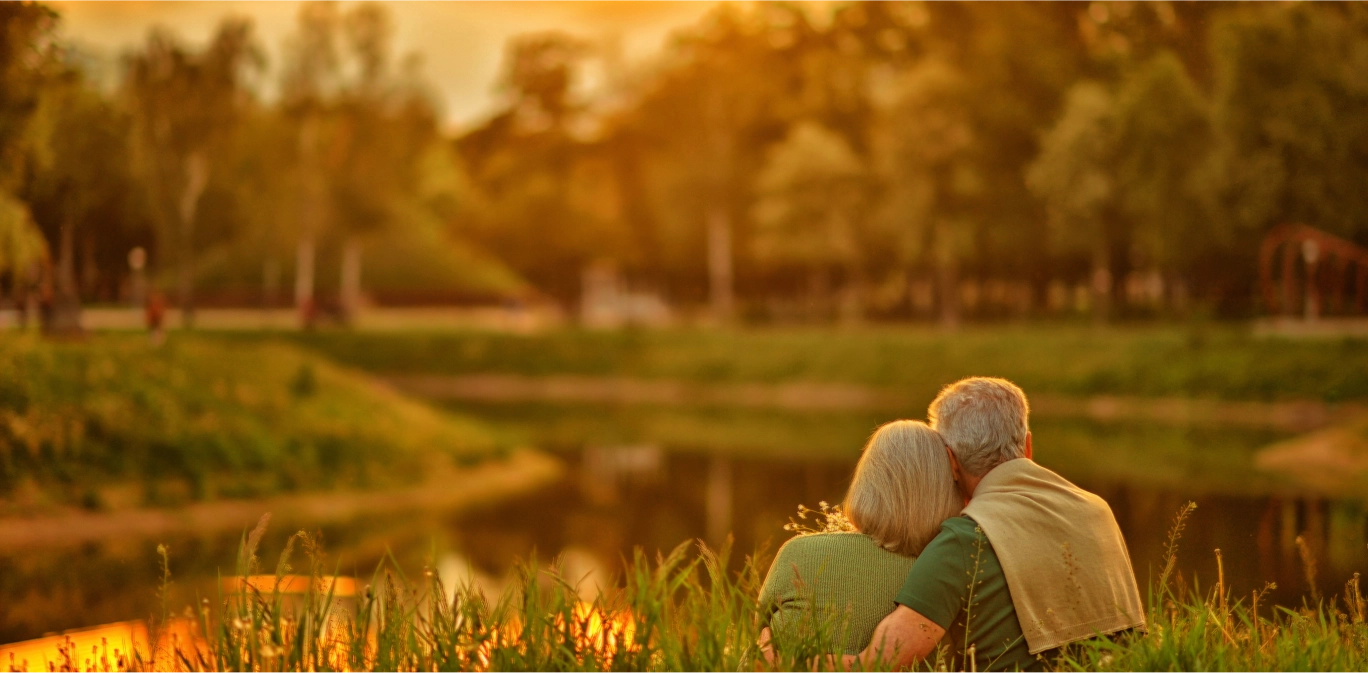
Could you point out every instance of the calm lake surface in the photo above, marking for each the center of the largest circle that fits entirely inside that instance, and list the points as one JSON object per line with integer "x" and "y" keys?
{"x": 653, "y": 478}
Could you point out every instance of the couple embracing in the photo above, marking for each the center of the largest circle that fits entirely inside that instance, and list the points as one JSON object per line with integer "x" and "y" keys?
{"x": 960, "y": 539}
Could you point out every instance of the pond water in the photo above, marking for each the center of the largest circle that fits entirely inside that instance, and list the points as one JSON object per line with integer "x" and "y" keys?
{"x": 653, "y": 478}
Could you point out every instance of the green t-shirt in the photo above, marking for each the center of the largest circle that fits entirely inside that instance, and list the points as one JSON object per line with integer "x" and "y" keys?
{"x": 944, "y": 587}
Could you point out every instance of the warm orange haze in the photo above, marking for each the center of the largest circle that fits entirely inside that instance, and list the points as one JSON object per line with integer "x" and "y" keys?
{"x": 399, "y": 336}
{"x": 461, "y": 44}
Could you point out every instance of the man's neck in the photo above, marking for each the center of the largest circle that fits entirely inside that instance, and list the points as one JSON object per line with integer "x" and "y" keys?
{"x": 970, "y": 484}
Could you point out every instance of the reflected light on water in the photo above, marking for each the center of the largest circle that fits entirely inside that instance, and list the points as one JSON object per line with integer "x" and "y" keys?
{"x": 341, "y": 587}
{"x": 108, "y": 647}
{"x": 103, "y": 647}
{"x": 603, "y": 631}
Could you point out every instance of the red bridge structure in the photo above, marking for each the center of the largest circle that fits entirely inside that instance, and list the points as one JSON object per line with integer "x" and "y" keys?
{"x": 1321, "y": 265}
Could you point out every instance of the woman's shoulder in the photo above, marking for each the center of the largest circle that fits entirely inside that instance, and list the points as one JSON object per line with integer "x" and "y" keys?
{"x": 821, "y": 544}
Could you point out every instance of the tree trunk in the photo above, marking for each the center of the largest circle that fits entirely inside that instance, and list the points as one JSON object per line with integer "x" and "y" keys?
{"x": 1176, "y": 291}
{"x": 196, "y": 179}
{"x": 270, "y": 283}
{"x": 314, "y": 194}
{"x": 351, "y": 279}
{"x": 720, "y": 266}
{"x": 1101, "y": 284}
{"x": 90, "y": 273}
{"x": 304, "y": 280}
{"x": 947, "y": 277}
{"x": 818, "y": 295}
{"x": 852, "y": 309}
{"x": 66, "y": 306}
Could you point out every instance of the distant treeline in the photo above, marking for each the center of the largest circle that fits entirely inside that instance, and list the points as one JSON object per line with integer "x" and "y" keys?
{"x": 232, "y": 195}
{"x": 776, "y": 161}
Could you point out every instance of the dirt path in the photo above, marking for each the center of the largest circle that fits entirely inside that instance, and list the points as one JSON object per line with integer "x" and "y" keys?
{"x": 522, "y": 472}
{"x": 1298, "y": 416}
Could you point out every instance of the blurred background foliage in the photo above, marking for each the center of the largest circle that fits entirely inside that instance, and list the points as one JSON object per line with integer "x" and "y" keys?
{"x": 776, "y": 161}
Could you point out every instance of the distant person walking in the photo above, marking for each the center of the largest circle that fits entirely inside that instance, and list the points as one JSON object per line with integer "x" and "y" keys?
{"x": 1033, "y": 563}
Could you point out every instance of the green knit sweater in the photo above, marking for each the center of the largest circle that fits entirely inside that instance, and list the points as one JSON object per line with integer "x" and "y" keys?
{"x": 849, "y": 577}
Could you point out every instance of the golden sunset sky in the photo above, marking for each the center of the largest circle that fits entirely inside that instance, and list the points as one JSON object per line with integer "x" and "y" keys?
{"x": 462, "y": 42}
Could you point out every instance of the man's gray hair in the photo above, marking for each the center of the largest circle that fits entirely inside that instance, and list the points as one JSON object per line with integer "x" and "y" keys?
{"x": 984, "y": 420}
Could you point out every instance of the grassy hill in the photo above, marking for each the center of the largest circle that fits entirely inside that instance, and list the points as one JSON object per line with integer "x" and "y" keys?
{"x": 115, "y": 421}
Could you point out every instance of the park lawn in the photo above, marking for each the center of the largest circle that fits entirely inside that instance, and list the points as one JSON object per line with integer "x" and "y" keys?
{"x": 1209, "y": 361}
{"x": 114, "y": 421}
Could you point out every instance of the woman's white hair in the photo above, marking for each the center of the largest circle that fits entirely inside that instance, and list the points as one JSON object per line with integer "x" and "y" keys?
{"x": 984, "y": 420}
{"x": 903, "y": 487}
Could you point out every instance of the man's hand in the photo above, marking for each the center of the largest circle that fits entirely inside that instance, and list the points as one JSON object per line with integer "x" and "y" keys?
{"x": 766, "y": 644}
{"x": 902, "y": 639}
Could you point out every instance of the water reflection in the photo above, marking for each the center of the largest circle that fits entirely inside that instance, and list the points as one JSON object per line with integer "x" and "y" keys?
{"x": 648, "y": 490}
{"x": 605, "y": 470}
{"x": 104, "y": 647}
{"x": 703, "y": 495}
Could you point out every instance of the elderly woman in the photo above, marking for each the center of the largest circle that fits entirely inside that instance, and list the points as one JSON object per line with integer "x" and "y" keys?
{"x": 837, "y": 586}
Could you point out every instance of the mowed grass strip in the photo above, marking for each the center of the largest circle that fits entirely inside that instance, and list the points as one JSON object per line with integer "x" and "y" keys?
{"x": 1210, "y": 361}
{"x": 114, "y": 421}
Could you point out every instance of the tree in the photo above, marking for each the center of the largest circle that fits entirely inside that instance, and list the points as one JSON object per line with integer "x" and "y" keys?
{"x": 1120, "y": 174}
{"x": 548, "y": 207}
{"x": 813, "y": 193}
{"x": 27, "y": 58}
{"x": 80, "y": 178}
{"x": 1164, "y": 138}
{"x": 731, "y": 88}
{"x": 310, "y": 81}
{"x": 362, "y": 128}
{"x": 384, "y": 124}
{"x": 1074, "y": 177}
{"x": 22, "y": 246}
{"x": 934, "y": 183}
{"x": 1290, "y": 86}
{"x": 184, "y": 104}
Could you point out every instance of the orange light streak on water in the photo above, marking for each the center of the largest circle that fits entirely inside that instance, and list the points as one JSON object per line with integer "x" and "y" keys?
{"x": 101, "y": 647}
{"x": 342, "y": 587}
{"x": 108, "y": 647}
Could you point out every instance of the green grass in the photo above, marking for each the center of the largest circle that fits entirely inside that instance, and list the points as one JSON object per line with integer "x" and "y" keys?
{"x": 1220, "y": 362}
{"x": 685, "y": 611}
{"x": 116, "y": 421}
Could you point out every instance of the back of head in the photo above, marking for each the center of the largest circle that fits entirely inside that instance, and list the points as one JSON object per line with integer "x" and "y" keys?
{"x": 983, "y": 420}
{"x": 903, "y": 487}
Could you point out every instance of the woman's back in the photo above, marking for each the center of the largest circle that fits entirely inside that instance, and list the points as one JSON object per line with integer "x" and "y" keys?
{"x": 851, "y": 578}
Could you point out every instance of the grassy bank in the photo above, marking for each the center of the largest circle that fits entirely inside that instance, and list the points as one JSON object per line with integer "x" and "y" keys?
{"x": 1220, "y": 362}
{"x": 1198, "y": 459}
{"x": 114, "y": 421}
{"x": 685, "y": 611}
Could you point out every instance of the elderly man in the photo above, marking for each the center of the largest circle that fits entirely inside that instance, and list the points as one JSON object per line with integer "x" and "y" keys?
{"x": 1033, "y": 563}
